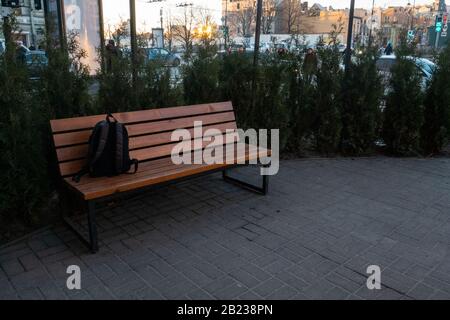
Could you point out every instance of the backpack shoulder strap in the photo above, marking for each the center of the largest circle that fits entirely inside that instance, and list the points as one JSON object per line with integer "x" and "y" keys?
{"x": 135, "y": 163}
{"x": 77, "y": 177}
{"x": 109, "y": 116}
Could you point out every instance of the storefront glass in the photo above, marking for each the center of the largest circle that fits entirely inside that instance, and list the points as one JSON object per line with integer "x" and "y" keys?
{"x": 82, "y": 18}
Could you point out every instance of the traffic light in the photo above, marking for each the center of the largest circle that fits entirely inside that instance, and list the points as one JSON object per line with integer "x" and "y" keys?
{"x": 11, "y": 3}
{"x": 445, "y": 26}
{"x": 439, "y": 24}
{"x": 38, "y": 4}
{"x": 411, "y": 35}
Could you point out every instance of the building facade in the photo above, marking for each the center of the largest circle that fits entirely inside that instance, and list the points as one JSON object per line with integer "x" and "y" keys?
{"x": 374, "y": 21}
{"x": 394, "y": 20}
{"x": 30, "y": 18}
{"x": 300, "y": 17}
{"x": 327, "y": 20}
{"x": 240, "y": 16}
{"x": 288, "y": 17}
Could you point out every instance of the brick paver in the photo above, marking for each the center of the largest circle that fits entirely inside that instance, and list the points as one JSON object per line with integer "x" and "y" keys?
{"x": 312, "y": 237}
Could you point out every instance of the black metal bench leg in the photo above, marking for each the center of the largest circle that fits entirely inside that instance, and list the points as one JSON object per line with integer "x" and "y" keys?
{"x": 266, "y": 184}
{"x": 264, "y": 189}
{"x": 92, "y": 241}
{"x": 93, "y": 237}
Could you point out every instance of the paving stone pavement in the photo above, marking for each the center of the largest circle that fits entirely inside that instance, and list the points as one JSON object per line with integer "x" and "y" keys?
{"x": 323, "y": 222}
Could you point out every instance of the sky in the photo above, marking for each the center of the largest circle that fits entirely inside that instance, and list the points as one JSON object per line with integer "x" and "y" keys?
{"x": 148, "y": 14}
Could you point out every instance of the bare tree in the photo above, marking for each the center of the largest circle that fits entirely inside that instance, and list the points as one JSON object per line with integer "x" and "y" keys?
{"x": 183, "y": 30}
{"x": 243, "y": 19}
{"x": 292, "y": 15}
{"x": 169, "y": 34}
{"x": 336, "y": 31}
{"x": 270, "y": 10}
{"x": 143, "y": 37}
{"x": 121, "y": 31}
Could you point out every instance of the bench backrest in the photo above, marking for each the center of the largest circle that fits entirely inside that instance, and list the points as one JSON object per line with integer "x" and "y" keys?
{"x": 149, "y": 130}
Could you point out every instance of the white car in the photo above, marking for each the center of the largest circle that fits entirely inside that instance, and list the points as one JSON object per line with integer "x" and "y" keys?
{"x": 266, "y": 47}
{"x": 425, "y": 66}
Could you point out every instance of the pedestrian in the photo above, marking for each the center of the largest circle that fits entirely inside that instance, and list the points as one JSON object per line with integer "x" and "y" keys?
{"x": 112, "y": 53}
{"x": 389, "y": 50}
{"x": 21, "y": 52}
{"x": 310, "y": 63}
{"x": 141, "y": 56}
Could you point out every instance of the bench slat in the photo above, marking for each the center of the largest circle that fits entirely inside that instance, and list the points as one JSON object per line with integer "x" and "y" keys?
{"x": 73, "y": 124}
{"x": 181, "y": 123}
{"x": 102, "y": 187}
{"x": 162, "y": 138}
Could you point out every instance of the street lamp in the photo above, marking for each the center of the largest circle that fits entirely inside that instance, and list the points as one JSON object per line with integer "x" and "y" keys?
{"x": 371, "y": 23}
{"x": 348, "y": 51}
{"x": 133, "y": 33}
{"x": 102, "y": 33}
{"x": 133, "y": 39}
{"x": 226, "y": 25}
{"x": 412, "y": 14}
{"x": 259, "y": 8}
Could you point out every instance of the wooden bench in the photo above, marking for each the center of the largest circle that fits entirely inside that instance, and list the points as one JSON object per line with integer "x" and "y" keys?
{"x": 150, "y": 142}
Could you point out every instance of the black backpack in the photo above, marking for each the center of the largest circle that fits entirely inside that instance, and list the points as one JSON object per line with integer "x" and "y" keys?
{"x": 108, "y": 153}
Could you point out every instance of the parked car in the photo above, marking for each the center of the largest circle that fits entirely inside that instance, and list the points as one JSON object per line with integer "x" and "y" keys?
{"x": 165, "y": 56}
{"x": 250, "y": 48}
{"x": 425, "y": 67}
{"x": 298, "y": 49}
{"x": 36, "y": 61}
{"x": 237, "y": 48}
{"x": 266, "y": 47}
